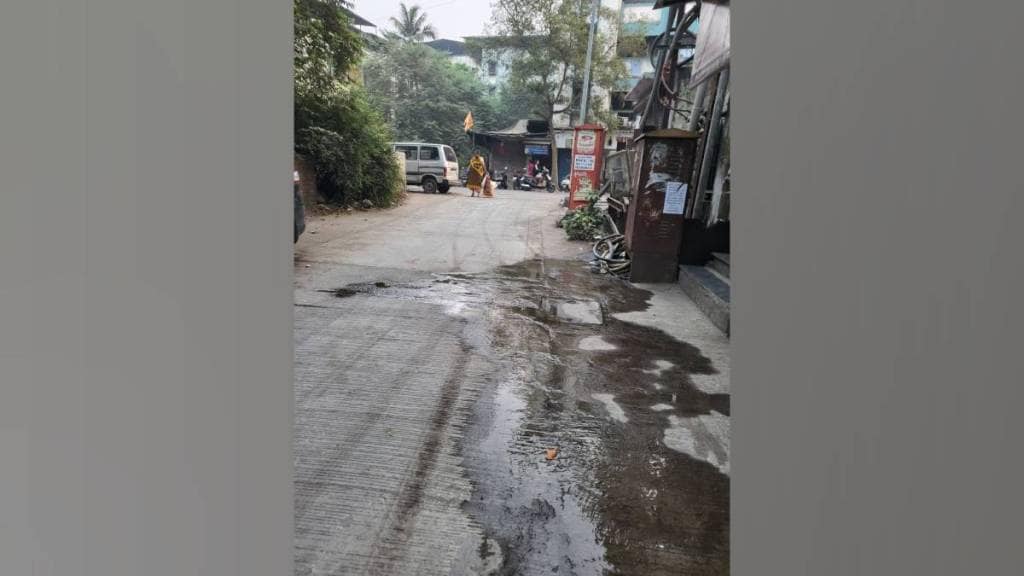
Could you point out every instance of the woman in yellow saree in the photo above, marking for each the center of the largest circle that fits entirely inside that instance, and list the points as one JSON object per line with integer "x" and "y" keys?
{"x": 479, "y": 182}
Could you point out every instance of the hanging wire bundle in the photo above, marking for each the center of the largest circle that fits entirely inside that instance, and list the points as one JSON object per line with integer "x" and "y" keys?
{"x": 659, "y": 52}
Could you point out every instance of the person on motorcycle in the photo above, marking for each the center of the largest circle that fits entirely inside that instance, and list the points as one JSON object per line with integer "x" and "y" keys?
{"x": 543, "y": 178}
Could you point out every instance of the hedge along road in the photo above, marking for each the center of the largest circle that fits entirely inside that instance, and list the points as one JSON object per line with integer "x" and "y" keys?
{"x": 448, "y": 423}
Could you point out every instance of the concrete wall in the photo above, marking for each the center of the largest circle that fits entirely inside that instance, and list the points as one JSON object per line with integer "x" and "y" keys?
{"x": 465, "y": 60}
{"x": 642, "y": 16}
{"x": 307, "y": 180}
{"x": 400, "y": 159}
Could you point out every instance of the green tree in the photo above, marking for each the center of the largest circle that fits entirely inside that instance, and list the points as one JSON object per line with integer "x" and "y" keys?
{"x": 336, "y": 129}
{"x": 548, "y": 39}
{"x": 327, "y": 48}
{"x": 411, "y": 26}
{"x": 425, "y": 97}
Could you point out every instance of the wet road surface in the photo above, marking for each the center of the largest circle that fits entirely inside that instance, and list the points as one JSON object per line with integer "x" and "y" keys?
{"x": 450, "y": 421}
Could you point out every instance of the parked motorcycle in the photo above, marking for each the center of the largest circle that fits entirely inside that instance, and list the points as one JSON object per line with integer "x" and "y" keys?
{"x": 502, "y": 179}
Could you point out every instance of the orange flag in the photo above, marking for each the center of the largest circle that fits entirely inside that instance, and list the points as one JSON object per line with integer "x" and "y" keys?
{"x": 468, "y": 122}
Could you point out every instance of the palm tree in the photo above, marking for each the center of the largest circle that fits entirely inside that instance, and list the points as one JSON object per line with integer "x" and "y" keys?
{"x": 412, "y": 25}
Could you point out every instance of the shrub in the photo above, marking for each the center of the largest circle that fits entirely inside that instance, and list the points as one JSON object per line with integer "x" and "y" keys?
{"x": 584, "y": 223}
{"x": 349, "y": 147}
{"x": 336, "y": 130}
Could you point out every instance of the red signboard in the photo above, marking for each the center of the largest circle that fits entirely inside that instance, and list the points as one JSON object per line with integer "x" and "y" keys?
{"x": 587, "y": 154}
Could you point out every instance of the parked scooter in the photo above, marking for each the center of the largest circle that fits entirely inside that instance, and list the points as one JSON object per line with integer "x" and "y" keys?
{"x": 521, "y": 182}
{"x": 502, "y": 179}
{"x": 543, "y": 180}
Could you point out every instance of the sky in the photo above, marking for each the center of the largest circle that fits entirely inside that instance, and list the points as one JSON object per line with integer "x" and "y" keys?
{"x": 453, "y": 19}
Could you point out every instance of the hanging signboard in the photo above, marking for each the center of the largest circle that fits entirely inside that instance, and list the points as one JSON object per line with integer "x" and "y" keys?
{"x": 712, "y": 52}
{"x": 587, "y": 153}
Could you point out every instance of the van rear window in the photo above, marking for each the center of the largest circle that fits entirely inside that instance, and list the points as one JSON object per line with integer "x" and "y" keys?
{"x": 449, "y": 155}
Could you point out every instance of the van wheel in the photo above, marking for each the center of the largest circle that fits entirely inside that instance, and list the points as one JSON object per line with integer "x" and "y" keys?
{"x": 444, "y": 187}
{"x": 430, "y": 186}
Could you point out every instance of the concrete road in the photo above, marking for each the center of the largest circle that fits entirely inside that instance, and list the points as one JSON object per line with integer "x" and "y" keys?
{"x": 449, "y": 420}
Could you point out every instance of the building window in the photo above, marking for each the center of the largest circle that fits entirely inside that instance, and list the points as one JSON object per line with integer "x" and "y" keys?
{"x": 618, "y": 100}
{"x": 492, "y": 68}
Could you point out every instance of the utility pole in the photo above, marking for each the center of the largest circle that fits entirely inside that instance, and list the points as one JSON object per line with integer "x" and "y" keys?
{"x": 595, "y": 7}
{"x": 711, "y": 141}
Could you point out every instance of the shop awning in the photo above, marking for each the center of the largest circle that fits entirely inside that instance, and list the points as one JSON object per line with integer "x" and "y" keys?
{"x": 523, "y": 130}
{"x": 357, "y": 19}
{"x": 640, "y": 92}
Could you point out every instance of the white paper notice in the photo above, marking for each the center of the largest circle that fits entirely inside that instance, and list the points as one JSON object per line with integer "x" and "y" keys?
{"x": 675, "y": 197}
{"x": 584, "y": 163}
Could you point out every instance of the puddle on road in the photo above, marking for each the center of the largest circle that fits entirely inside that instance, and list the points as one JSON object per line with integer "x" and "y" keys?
{"x": 660, "y": 366}
{"x": 526, "y": 503}
{"x": 640, "y": 484}
{"x": 705, "y": 438}
{"x": 614, "y": 410}
{"x": 596, "y": 344}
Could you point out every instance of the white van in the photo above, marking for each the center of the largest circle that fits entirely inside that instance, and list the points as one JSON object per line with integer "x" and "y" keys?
{"x": 432, "y": 166}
